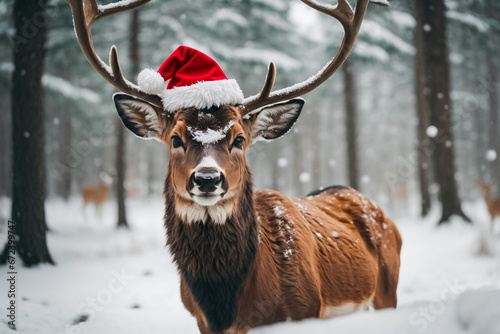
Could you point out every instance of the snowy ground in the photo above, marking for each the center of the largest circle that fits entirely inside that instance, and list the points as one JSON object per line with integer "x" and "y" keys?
{"x": 127, "y": 283}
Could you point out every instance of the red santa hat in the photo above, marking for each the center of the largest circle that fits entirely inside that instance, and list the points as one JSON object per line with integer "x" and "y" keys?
{"x": 194, "y": 80}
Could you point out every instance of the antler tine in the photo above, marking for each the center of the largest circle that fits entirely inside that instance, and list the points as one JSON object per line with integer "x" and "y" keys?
{"x": 83, "y": 19}
{"x": 269, "y": 83}
{"x": 268, "y": 87}
{"x": 351, "y": 22}
{"x": 115, "y": 66}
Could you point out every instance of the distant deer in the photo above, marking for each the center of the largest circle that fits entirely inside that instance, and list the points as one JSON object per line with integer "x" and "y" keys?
{"x": 492, "y": 203}
{"x": 247, "y": 259}
{"x": 96, "y": 194}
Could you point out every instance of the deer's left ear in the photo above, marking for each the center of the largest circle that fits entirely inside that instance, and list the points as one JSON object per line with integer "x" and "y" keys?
{"x": 138, "y": 116}
{"x": 276, "y": 120}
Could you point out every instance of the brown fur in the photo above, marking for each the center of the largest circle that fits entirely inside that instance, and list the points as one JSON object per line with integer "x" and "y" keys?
{"x": 95, "y": 194}
{"x": 292, "y": 258}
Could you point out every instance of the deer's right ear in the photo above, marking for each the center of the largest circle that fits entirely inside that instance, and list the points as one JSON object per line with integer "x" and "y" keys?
{"x": 138, "y": 116}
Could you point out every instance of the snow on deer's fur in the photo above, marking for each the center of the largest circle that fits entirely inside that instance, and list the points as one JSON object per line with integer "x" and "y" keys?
{"x": 249, "y": 259}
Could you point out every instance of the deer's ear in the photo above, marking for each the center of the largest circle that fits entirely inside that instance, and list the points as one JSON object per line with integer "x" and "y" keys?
{"x": 276, "y": 120}
{"x": 138, "y": 116}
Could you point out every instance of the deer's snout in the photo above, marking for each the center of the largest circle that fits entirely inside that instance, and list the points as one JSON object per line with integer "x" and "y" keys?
{"x": 207, "y": 179}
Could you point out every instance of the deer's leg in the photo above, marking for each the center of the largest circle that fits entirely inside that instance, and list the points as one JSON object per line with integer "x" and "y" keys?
{"x": 99, "y": 212}
{"x": 83, "y": 210}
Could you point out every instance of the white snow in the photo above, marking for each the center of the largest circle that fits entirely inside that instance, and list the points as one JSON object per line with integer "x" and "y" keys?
{"x": 378, "y": 33}
{"x": 384, "y": 3}
{"x": 264, "y": 56}
{"x": 304, "y": 177}
{"x": 210, "y": 136}
{"x": 469, "y": 20}
{"x": 278, "y": 211}
{"x": 491, "y": 155}
{"x": 282, "y": 162}
{"x": 69, "y": 90}
{"x": 431, "y": 131}
{"x": 61, "y": 86}
{"x": 226, "y": 14}
{"x": 454, "y": 312}
{"x": 444, "y": 287}
{"x": 370, "y": 51}
{"x": 294, "y": 87}
{"x": 114, "y": 5}
{"x": 403, "y": 19}
{"x": 279, "y": 5}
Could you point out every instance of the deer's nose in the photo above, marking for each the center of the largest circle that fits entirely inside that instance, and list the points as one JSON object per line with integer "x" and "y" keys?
{"x": 207, "y": 179}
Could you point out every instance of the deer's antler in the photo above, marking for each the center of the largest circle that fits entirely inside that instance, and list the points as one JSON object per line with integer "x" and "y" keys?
{"x": 350, "y": 20}
{"x": 85, "y": 14}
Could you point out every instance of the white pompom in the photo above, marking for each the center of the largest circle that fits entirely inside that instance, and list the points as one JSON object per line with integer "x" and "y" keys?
{"x": 151, "y": 81}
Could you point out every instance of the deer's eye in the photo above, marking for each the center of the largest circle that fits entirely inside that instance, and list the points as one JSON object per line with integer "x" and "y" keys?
{"x": 177, "y": 141}
{"x": 238, "y": 142}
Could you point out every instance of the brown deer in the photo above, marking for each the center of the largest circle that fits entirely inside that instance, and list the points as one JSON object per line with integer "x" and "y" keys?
{"x": 96, "y": 194}
{"x": 493, "y": 204}
{"x": 249, "y": 259}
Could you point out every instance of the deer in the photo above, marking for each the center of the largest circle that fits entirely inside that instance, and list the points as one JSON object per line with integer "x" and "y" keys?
{"x": 248, "y": 259}
{"x": 96, "y": 193}
{"x": 493, "y": 204}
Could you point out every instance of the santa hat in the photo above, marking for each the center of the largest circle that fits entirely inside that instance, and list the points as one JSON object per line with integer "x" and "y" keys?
{"x": 194, "y": 80}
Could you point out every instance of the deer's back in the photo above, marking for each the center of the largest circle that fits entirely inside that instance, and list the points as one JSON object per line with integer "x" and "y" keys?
{"x": 332, "y": 249}
{"x": 94, "y": 194}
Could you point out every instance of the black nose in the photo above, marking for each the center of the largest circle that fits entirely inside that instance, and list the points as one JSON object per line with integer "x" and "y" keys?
{"x": 207, "y": 179}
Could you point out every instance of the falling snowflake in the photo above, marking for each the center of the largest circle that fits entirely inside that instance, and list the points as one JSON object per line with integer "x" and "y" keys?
{"x": 431, "y": 131}
{"x": 282, "y": 162}
{"x": 304, "y": 177}
{"x": 491, "y": 155}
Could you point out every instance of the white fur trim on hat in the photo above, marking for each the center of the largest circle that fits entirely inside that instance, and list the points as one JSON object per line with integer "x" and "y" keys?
{"x": 204, "y": 94}
{"x": 151, "y": 82}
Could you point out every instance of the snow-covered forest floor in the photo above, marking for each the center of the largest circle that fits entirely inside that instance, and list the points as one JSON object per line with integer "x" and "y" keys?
{"x": 127, "y": 282}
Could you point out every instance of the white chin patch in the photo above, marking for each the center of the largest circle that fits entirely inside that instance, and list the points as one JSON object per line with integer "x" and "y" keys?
{"x": 199, "y": 213}
{"x": 206, "y": 201}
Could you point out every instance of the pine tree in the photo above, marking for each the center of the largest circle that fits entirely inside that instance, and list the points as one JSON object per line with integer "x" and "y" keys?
{"x": 438, "y": 83}
{"x": 28, "y": 208}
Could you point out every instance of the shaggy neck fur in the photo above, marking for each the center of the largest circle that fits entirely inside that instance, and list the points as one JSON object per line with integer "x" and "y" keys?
{"x": 214, "y": 259}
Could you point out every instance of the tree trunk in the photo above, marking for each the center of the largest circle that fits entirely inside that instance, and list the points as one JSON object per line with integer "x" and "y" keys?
{"x": 5, "y": 149}
{"x": 422, "y": 109}
{"x": 28, "y": 211}
{"x": 120, "y": 174}
{"x": 64, "y": 149}
{"x": 350, "y": 121}
{"x": 121, "y": 143}
{"x": 492, "y": 68}
{"x": 437, "y": 77}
